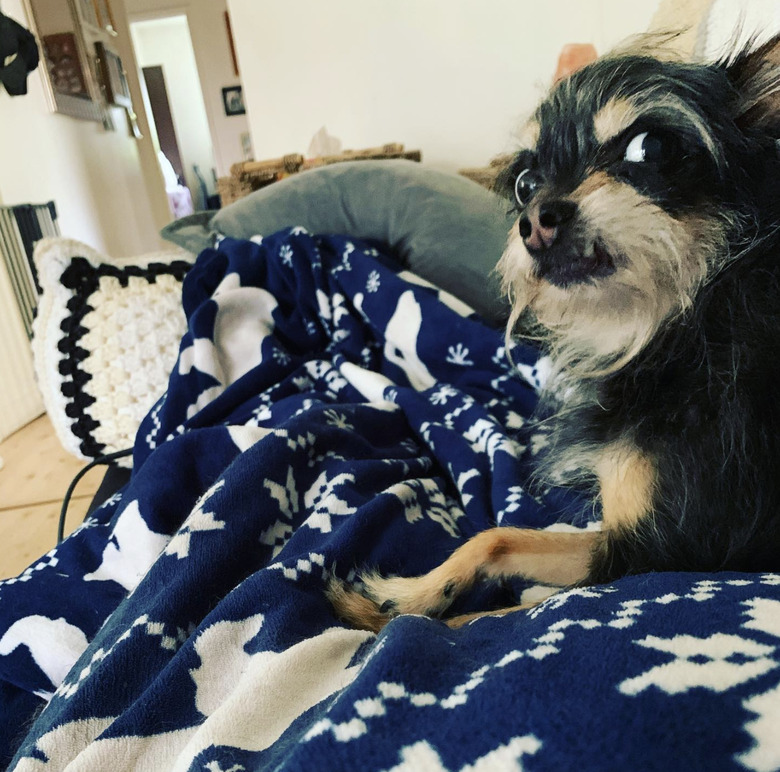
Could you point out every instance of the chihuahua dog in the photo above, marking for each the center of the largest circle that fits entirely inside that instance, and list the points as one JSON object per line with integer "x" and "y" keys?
{"x": 648, "y": 247}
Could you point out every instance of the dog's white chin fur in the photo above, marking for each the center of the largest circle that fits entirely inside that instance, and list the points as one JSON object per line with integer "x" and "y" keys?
{"x": 598, "y": 326}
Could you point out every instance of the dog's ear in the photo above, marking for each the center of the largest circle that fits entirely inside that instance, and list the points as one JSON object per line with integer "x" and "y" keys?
{"x": 755, "y": 73}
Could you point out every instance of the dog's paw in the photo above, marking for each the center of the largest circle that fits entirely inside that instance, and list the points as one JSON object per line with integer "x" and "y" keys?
{"x": 386, "y": 597}
{"x": 426, "y": 595}
{"x": 354, "y": 608}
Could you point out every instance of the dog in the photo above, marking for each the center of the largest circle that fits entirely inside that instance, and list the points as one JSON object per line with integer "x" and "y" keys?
{"x": 647, "y": 245}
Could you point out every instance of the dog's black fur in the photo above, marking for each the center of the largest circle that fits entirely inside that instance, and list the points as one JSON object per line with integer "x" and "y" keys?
{"x": 648, "y": 244}
{"x": 702, "y": 397}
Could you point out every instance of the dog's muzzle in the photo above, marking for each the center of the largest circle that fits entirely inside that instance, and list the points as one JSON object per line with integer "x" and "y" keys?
{"x": 560, "y": 256}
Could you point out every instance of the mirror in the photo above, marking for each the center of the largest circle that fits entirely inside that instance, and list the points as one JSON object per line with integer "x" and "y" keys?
{"x": 67, "y": 31}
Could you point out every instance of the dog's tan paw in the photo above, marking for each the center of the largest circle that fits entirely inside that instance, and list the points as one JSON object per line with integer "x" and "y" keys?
{"x": 410, "y": 595}
{"x": 386, "y": 597}
{"x": 355, "y": 608}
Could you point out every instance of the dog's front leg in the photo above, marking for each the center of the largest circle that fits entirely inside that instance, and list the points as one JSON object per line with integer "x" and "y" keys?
{"x": 548, "y": 557}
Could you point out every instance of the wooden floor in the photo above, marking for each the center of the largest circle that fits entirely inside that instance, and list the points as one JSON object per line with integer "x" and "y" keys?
{"x": 36, "y": 473}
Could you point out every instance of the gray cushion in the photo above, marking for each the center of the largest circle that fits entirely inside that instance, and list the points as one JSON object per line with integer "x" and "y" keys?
{"x": 445, "y": 228}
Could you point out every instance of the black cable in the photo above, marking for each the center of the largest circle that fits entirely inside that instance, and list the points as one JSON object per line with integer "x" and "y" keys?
{"x": 107, "y": 459}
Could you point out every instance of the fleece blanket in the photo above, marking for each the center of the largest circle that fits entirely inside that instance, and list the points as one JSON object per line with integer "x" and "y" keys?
{"x": 328, "y": 413}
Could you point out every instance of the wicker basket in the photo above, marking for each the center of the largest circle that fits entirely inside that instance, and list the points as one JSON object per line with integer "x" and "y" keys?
{"x": 230, "y": 189}
{"x": 248, "y": 176}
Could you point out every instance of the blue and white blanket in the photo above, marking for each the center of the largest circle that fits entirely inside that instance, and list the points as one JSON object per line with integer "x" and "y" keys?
{"x": 327, "y": 413}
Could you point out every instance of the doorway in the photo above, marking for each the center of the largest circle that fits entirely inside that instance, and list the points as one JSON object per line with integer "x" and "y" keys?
{"x": 174, "y": 104}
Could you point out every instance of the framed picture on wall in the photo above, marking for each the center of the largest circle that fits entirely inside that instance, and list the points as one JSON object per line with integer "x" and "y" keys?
{"x": 114, "y": 80}
{"x": 87, "y": 12}
{"x": 233, "y": 99}
{"x": 64, "y": 65}
{"x": 104, "y": 15}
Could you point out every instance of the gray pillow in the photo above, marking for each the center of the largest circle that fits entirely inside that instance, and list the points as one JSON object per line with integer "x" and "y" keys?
{"x": 445, "y": 228}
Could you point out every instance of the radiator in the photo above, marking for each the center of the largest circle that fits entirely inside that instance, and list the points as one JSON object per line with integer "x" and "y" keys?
{"x": 20, "y": 228}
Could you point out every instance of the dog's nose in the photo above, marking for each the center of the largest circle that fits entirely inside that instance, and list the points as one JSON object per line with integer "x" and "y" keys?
{"x": 539, "y": 229}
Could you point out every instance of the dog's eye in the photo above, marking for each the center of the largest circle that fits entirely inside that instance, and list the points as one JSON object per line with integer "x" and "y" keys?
{"x": 645, "y": 148}
{"x": 526, "y": 185}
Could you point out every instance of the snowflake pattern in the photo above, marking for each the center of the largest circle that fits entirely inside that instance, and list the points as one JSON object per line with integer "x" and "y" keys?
{"x": 459, "y": 355}
{"x": 286, "y": 255}
{"x": 442, "y": 394}
{"x": 373, "y": 282}
{"x": 366, "y": 356}
{"x": 424, "y": 498}
{"x": 281, "y": 356}
{"x": 337, "y": 419}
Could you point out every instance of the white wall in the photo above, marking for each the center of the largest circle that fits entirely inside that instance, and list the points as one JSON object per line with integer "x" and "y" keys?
{"x": 94, "y": 176}
{"x": 450, "y": 77}
{"x": 20, "y": 400}
{"x": 212, "y": 55}
{"x": 166, "y": 42}
{"x": 95, "y": 179}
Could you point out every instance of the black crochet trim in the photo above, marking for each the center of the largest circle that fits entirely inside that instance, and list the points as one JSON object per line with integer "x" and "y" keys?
{"x": 83, "y": 279}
